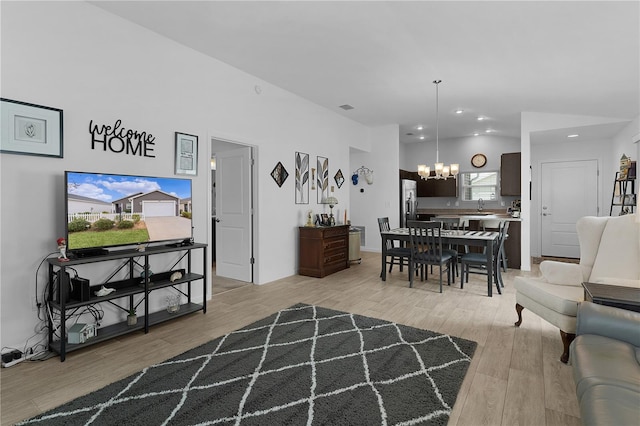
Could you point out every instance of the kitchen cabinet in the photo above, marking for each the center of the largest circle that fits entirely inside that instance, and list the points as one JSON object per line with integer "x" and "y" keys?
{"x": 510, "y": 174}
{"x": 432, "y": 187}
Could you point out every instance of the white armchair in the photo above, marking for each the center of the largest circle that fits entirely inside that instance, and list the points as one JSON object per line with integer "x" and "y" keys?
{"x": 609, "y": 254}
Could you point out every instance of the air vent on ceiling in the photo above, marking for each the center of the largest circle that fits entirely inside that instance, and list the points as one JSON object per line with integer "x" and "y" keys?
{"x": 346, "y": 107}
{"x": 409, "y": 134}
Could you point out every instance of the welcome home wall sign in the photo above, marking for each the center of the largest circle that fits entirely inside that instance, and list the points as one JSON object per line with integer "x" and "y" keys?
{"x": 121, "y": 140}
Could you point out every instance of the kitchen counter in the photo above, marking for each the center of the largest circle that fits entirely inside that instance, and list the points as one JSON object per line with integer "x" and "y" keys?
{"x": 476, "y": 216}
{"x": 479, "y": 220}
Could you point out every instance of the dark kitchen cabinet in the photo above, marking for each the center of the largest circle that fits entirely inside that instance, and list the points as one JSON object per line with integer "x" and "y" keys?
{"x": 432, "y": 187}
{"x": 510, "y": 174}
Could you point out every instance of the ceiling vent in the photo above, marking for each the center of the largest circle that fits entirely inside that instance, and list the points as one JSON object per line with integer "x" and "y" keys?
{"x": 346, "y": 107}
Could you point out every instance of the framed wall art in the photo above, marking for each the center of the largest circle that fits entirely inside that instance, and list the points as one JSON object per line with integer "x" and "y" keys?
{"x": 302, "y": 178}
{"x": 339, "y": 178}
{"x": 30, "y": 129}
{"x": 279, "y": 174}
{"x": 186, "y": 154}
{"x": 323, "y": 179}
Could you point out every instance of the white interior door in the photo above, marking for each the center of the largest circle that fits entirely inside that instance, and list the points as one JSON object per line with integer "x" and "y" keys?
{"x": 569, "y": 192}
{"x": 234, "y": 214}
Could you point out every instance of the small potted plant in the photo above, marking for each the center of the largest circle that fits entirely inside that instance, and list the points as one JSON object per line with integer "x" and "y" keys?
{"x": 132, "y": 318}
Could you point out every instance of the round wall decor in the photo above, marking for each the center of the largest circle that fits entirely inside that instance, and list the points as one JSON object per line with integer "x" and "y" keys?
{"x": 478, "y": 160}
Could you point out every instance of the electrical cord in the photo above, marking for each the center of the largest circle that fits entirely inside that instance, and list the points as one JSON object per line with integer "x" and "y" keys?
{"x": 38, "y": 304}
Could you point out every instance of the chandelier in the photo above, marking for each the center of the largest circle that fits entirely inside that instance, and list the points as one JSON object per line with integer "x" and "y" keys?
{"x": 441, "y": 171}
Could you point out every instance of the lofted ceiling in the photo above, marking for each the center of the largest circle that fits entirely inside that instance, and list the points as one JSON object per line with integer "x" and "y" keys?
{"x": 495, "y": 59}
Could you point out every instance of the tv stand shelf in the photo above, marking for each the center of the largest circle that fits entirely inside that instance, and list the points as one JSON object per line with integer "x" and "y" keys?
{"x": 124, "y": 289}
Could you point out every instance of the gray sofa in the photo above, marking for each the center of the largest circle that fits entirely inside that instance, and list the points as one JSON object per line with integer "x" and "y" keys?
{"x": 605, "y": 357}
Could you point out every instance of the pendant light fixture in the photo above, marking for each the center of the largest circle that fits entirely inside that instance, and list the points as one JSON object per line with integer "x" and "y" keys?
{"x": 441, "y": 171}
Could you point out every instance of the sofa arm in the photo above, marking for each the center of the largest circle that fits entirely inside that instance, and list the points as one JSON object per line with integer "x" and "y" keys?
{"x": 607, "y": 321}
{"x": 561, "y": 273}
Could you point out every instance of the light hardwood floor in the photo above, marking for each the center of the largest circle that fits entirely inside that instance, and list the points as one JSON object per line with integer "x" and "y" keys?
{"x": 515, "y": 376}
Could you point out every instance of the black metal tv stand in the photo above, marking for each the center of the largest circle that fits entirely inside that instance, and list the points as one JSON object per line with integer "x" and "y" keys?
{"x": 133, "y": 292}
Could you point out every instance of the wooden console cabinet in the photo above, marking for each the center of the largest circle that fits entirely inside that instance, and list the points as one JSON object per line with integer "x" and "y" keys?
{"x": 323, "y": 250}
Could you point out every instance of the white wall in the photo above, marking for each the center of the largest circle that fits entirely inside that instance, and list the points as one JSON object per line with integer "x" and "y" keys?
{"x": 381, "y": 198}
{"x": 96, "y": 66}
{"x": 624, "y": 143}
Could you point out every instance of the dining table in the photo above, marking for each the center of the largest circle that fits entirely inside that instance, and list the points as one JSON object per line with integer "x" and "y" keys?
{"x": 484, "y": 239}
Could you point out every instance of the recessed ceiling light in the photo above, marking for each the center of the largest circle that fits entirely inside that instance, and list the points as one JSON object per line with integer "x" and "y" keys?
{"x": 421, "y": 137}
{"x": 476, "y": 134}
{"x": 480, "y": 118}
{"x": 573, "y": 136}
{"x": 488, "y": 131}
{"x": 419, "y": 127}
{"x": 459, "y": 111}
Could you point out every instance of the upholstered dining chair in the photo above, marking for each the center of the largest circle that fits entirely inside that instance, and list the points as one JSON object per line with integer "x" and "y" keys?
{"x": 399, "y": 255}
{"x": 479, "y": 260}
{"x": 425, "y": 242}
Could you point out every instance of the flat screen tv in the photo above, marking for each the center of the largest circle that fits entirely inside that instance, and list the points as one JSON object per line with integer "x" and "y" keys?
{"x": 109, "y": 210}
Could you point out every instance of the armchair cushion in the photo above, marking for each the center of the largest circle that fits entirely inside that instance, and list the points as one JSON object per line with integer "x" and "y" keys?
{"x": 559, "y": 298}
{"x": 561, "y": 273}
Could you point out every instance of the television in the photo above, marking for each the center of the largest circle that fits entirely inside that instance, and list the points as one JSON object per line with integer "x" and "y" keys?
{"x": 109, "y": 210}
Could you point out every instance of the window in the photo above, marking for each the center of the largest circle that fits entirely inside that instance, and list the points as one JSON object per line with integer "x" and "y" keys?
{"x": 476, "y": 185}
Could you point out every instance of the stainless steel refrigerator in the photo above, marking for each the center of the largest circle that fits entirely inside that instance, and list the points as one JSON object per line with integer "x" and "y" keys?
{"x": 408, "y": 201}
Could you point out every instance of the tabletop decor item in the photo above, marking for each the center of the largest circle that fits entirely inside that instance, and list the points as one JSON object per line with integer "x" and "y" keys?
{"x": 132, "y": 318}
{"x": 186, "y": 154}
{"x": 302, "y": 178}
{"x": 30, "y": 129}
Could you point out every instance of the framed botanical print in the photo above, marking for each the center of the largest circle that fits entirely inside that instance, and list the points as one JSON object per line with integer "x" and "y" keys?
{"x": 186, "y": 154}
{"x": 302, "y": 178}
{"x": 323, "y": 179}
{"x": 30, "y": 129}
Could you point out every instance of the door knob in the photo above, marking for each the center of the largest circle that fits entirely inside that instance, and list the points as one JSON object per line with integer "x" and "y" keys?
{"x": 217, "y": 220}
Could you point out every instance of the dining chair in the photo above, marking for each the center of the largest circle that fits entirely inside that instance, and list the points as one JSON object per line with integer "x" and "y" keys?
{"x": 399, "y": 255}
{"x": 425, "y": 242}
{"x": 494, "y": 225}
{"x": 478, "y": 261}
{"x": 453, "y": 224}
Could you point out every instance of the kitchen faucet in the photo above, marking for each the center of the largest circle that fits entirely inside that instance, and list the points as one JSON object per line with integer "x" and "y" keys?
{"x": 480, "y": 204}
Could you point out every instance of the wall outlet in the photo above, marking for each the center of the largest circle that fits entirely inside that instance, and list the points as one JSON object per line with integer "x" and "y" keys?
{"x": 448, "y": 203}
{"x": 457, "y": 203}
{"x": 502, "y": 203}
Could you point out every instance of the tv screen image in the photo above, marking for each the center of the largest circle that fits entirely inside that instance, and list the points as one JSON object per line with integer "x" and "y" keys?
{"x": 107, "y": 210}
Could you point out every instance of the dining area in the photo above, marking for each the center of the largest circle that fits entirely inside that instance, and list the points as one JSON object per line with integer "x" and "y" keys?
{"x": 447, "y": 247}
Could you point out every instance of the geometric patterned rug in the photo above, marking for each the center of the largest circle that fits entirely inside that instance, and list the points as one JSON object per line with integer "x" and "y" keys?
{"x": 304, "y": 365}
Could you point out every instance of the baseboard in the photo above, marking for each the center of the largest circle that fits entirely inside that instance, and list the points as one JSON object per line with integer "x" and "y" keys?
{"x": 536, "y": 260}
